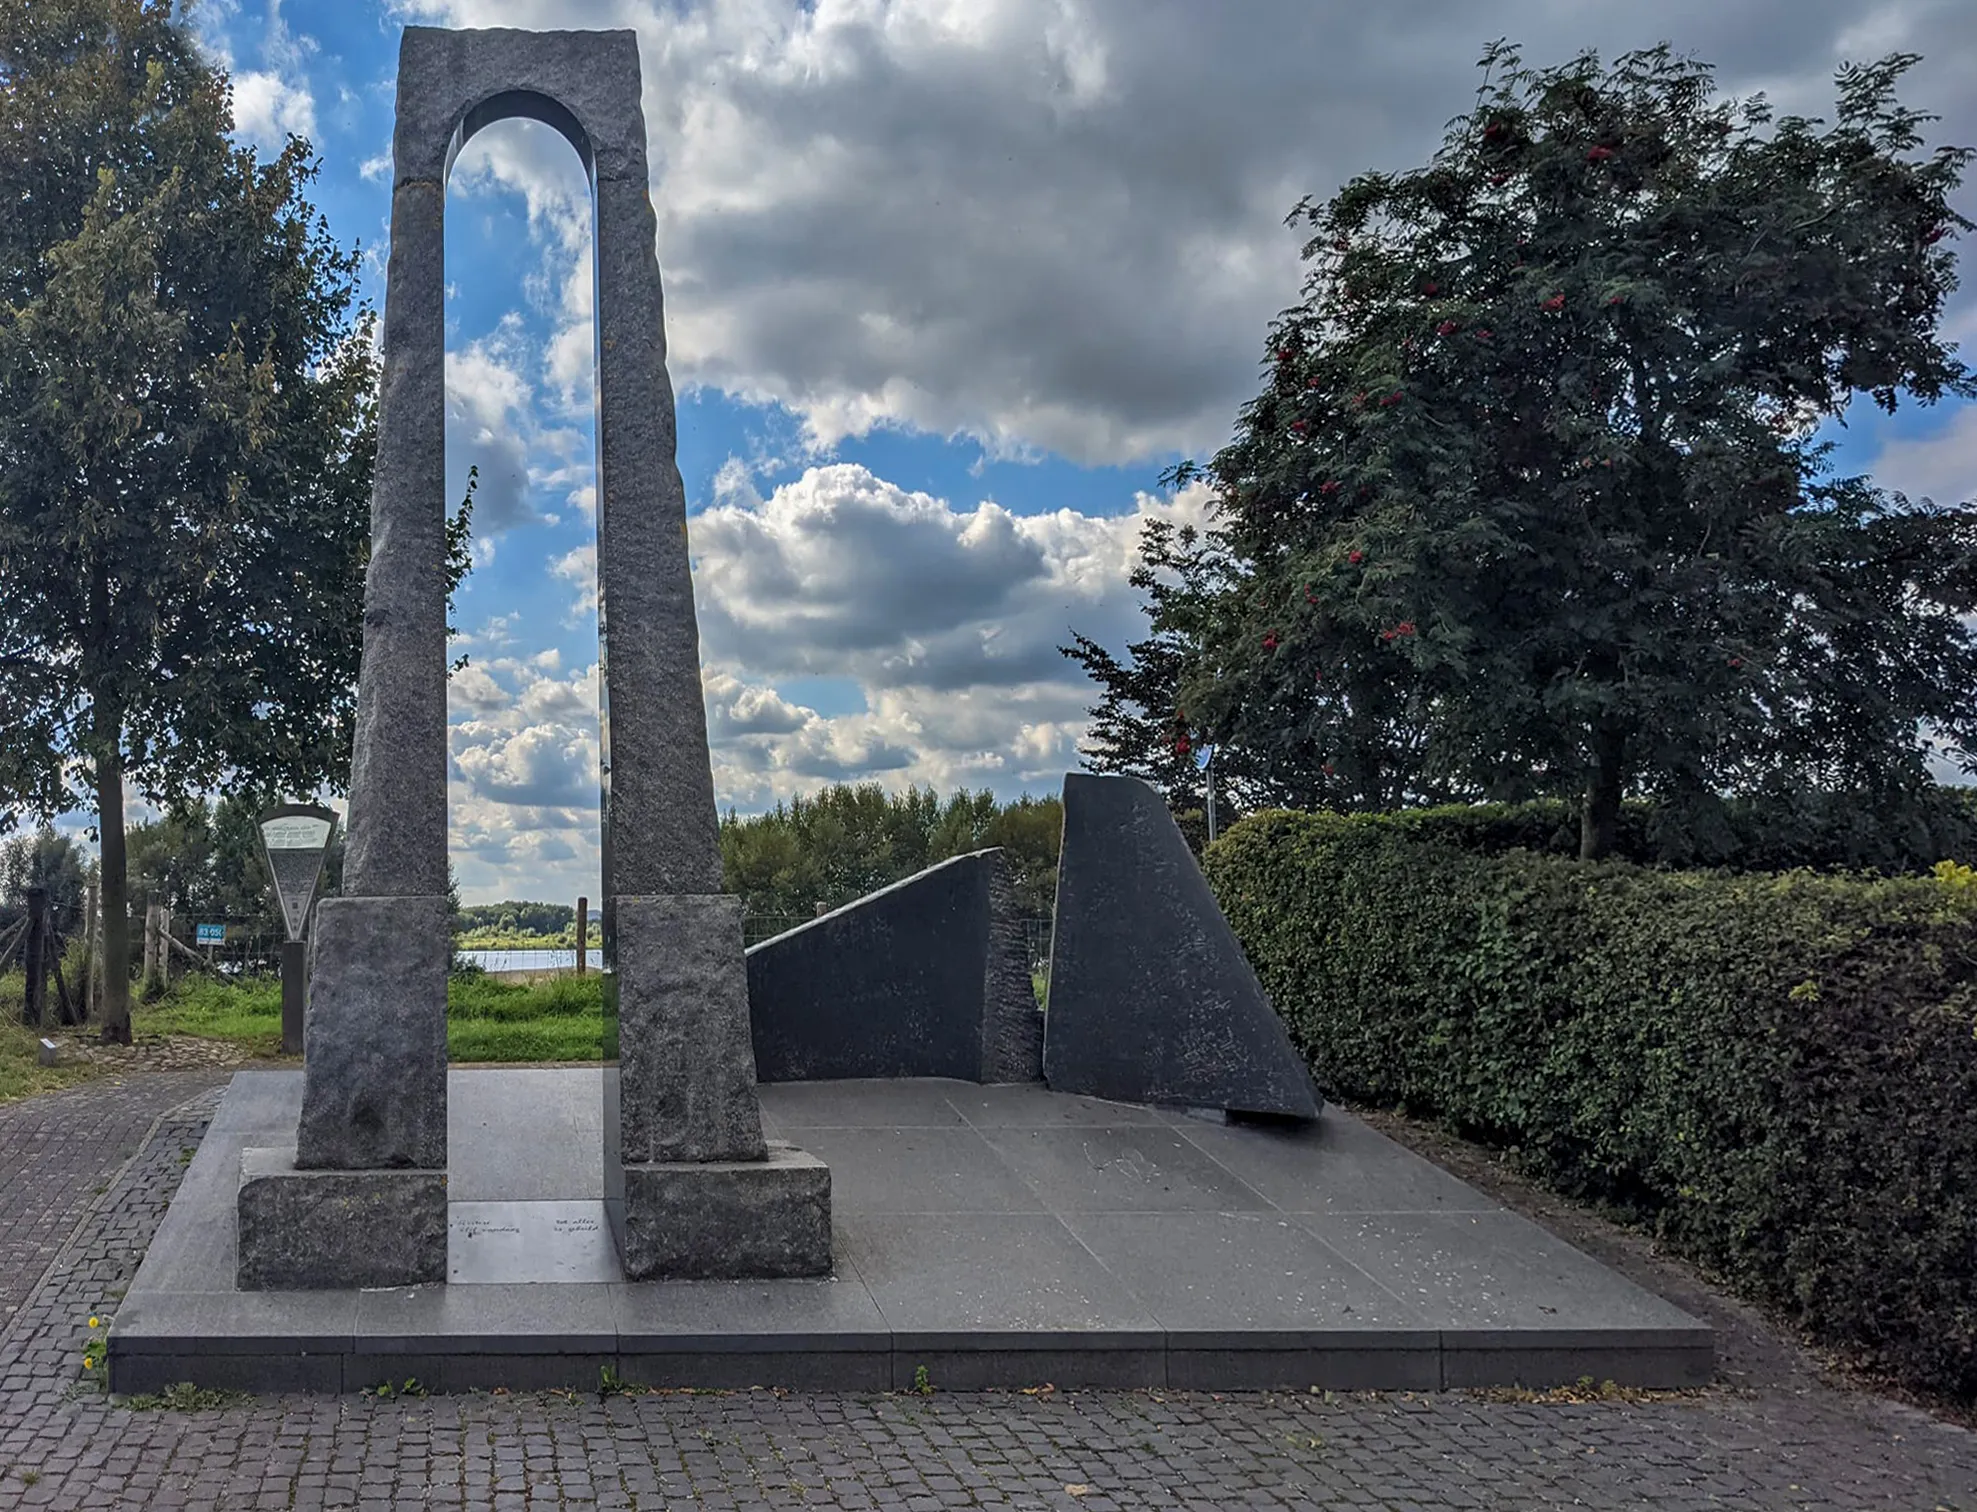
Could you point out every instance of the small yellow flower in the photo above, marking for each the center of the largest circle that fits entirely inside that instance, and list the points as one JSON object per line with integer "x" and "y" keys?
{"x": 92, "y": 1322}
{"x": 88, "y": 1362}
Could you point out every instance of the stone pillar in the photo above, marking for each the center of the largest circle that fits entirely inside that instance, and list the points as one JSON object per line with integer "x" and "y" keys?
{"x": 360, "y": 1198}
{"x": 691, "y": 1186}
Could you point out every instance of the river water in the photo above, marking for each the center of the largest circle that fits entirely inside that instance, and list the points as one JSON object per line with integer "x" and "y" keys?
{"x": 530, "y": 960}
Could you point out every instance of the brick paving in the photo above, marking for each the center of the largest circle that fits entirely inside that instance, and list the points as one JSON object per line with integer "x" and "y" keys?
{"x": 1784, "y": 1442}
{"x": 56, "y": 1151}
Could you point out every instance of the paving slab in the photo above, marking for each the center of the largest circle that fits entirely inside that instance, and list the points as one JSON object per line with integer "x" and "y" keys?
{"x": 561, "y": 1159}
{"x": 918, "y": 1170}
{"x": 987, "y": 1236}
{"x": 751, "y": 1317}
{"x": 861, "y": 1104}
{"x": 1242, "y": 1273}
{"x": 529, "y": 1242}
{"x": 1336, "y": 1165}
{"x": 1031, "y": 1107}
{"x": 989, "y": 1273}
{"x": 1489, "y": 1271}
{"x": 515, "y": 1318}
{"x": 1138, "y": 1169}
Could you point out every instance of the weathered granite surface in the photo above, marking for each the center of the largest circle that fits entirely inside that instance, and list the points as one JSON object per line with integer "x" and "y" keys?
{"x": 396, "y": 840}
{"x": 304, "y": 1230}
{"x": 661, "y": 829}
{"x": 1151, "y": 998}
{"x": 927, "y": 977}
{"x": 686, "y": 1068}
{"x": 728, "y": 1221}
{"x": 374, "y": 1036}
{"x": 682, "y": 1086}
{"x": 660, "y": 825}
{"x": 1012, "y": 1020}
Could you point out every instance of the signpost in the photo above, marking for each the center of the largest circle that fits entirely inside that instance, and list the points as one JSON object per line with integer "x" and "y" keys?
{"x": 212, "y": 934}
{"x": 295, "y": 837}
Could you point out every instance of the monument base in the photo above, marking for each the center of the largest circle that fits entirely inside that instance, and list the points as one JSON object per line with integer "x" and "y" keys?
{"x": 735, "y": 1220}
{"x": 311, "y": 1230}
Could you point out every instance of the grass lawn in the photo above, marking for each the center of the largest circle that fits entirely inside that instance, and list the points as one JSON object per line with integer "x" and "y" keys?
{"x": 557, "y": 1020}
{"x": 248, "y": 1013}
{"x": 561, "y": 1019}
{"x": 20, "y": 1074}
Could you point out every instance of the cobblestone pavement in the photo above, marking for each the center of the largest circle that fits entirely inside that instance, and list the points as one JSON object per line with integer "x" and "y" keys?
{"x": 56, "y": 1151}
{"x": 1792, "y": 1443}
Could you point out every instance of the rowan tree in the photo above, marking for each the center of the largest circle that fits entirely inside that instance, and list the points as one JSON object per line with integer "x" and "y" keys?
{"x": 1534, "y": 478}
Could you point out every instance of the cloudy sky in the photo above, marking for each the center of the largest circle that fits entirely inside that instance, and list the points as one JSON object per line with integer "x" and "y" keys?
{"x": 949, "y": 283}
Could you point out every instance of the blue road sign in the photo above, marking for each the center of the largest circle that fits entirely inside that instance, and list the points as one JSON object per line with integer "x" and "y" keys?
{"x": 212, "y": 934}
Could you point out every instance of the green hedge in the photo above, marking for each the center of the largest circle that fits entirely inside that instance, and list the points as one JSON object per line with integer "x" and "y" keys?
{"x": 1825, "y": 831}
{"x": 1776, "y": 1073}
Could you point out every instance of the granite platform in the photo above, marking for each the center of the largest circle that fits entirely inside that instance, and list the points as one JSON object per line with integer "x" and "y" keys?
{"x": 997, "y": 1236}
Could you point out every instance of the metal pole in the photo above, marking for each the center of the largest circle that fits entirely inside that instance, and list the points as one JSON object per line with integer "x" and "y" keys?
{"x": 1211, "y": 795}
{"x": 294, "y": 989}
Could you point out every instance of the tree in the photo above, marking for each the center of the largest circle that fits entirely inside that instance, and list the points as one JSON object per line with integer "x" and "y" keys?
{"x": 186, "y": 438}
{"x": 1143, "y": 726}
{"x": 169, "y": 860}
{"x": 1530, "y": 502}
{"x": 850, "y": 840}
{"x": 46, "y": 859}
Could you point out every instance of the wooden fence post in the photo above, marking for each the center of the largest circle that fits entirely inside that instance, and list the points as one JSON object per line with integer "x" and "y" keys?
{"x": 150, "y": 974}
{"x": 92, "y": 942}
{"x": 583, "y": 932}
{"x": 35, "y": 958}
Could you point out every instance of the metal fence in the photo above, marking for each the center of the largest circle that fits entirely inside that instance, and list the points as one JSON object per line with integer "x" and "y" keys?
{"x": 250, "y": 948}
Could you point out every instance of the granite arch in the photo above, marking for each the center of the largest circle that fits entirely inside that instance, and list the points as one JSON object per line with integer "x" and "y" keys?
{"x": 360, "y": 1198}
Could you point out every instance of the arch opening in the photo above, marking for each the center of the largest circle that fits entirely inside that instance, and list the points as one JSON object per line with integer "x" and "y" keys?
{"x": 524, "y": 737}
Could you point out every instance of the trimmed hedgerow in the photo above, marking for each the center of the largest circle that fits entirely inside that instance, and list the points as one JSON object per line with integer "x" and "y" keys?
{"x": 1824, "y": 831}
{"x": 1776, "y": 1073}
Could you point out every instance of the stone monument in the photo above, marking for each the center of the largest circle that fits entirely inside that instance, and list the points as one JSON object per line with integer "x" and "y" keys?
{"x": 1151, "y": 999}
{"x": 692, "y": 1188}
{"x": 927, "y": 977}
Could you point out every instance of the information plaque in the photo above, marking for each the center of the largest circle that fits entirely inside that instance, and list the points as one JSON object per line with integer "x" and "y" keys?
{"x": 296, "y": 838}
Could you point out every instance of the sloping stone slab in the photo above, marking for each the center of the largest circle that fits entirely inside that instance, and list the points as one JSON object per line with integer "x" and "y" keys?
{"x": 1151, "y": 999}
{"x": 928, "y": 977}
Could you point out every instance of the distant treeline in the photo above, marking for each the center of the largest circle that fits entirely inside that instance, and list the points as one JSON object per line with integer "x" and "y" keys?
{"x": 826, "y": 851}
{"x": 852, "y": 839}
{"x": 520, "y": 918}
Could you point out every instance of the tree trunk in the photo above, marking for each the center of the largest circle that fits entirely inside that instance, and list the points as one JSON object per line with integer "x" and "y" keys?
{"x": 116, "y": 891}
{"x": 1599, "y": 814}
{"x": 91, "y": 944}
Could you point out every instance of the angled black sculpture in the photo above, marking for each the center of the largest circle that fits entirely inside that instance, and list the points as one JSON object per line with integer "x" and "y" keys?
{"x": 1151, "y": 999}
{"x": 927, "y": 977}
